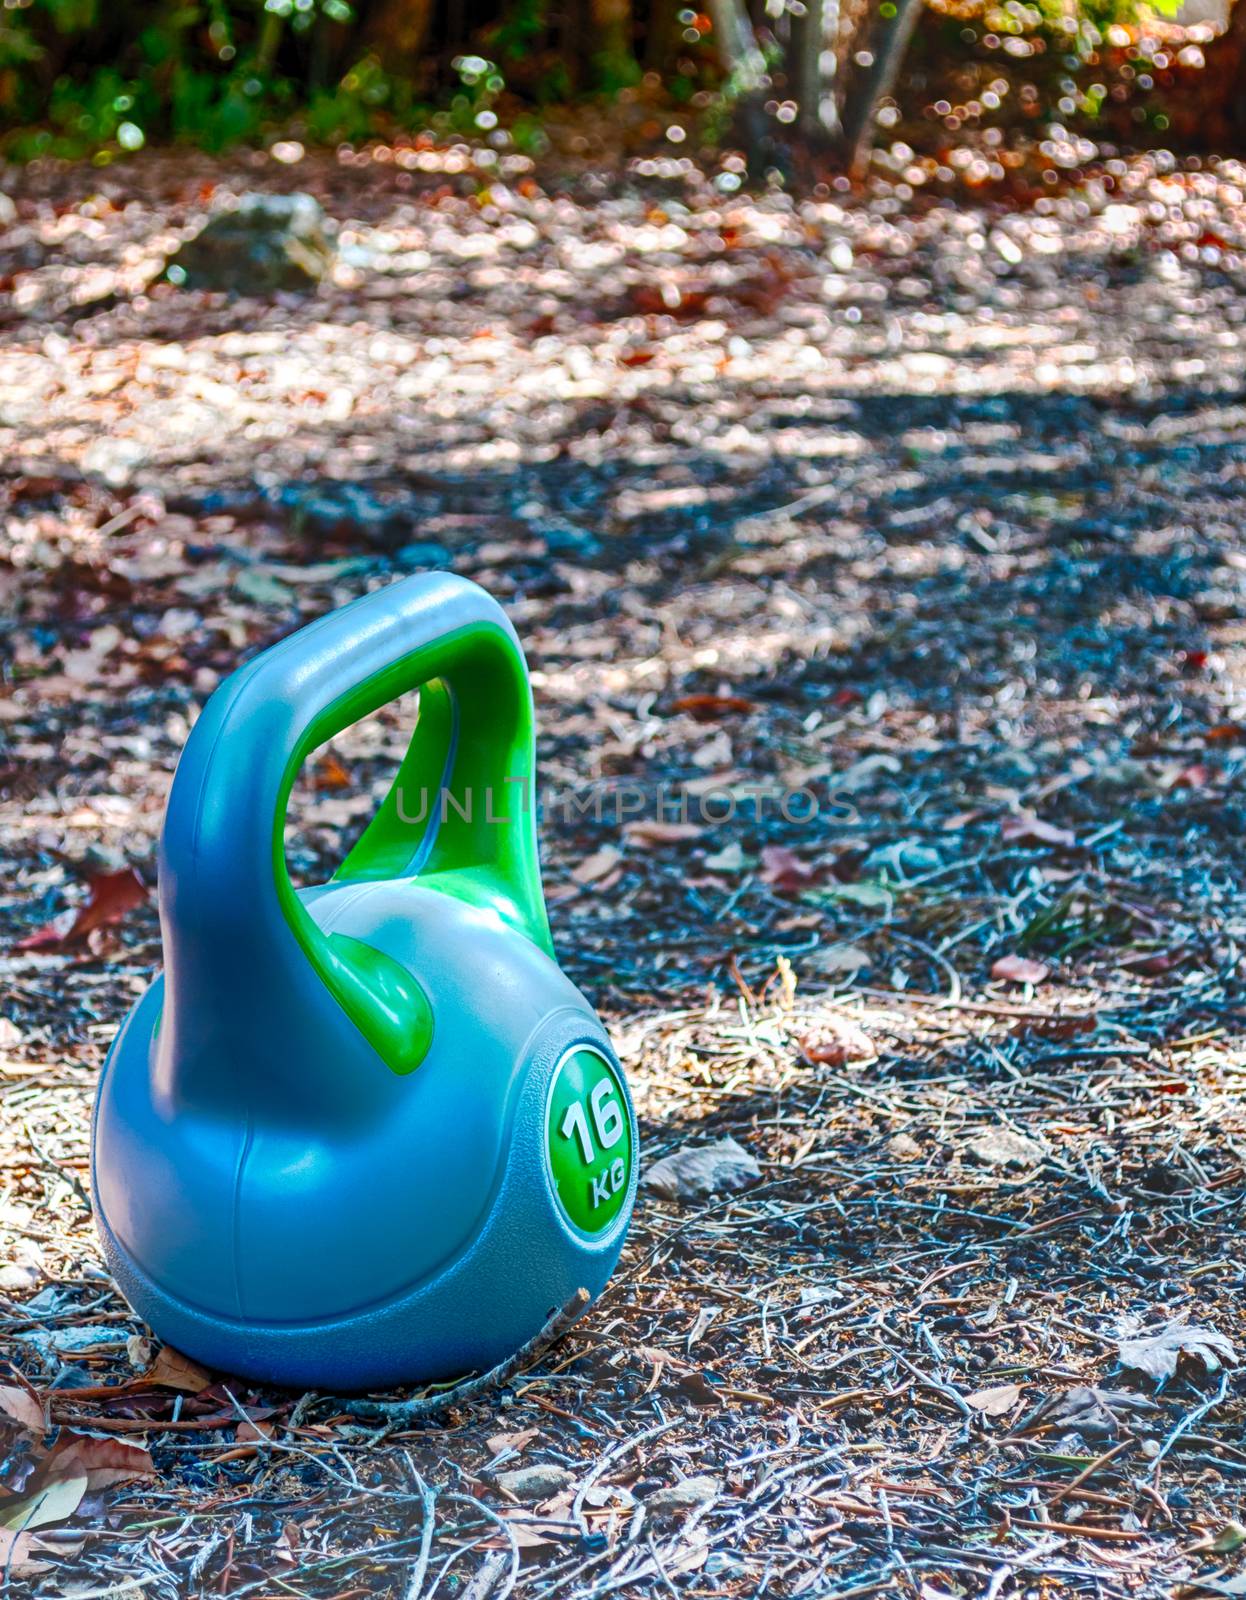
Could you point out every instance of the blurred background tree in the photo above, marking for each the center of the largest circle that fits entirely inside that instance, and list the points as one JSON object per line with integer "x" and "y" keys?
{"x": 801, "y": 86}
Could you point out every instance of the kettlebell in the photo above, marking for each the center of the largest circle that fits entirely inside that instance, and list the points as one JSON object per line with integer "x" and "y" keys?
{"x": 368, "y": 1132}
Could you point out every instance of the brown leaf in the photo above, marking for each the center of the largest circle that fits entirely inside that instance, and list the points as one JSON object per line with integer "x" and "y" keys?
{"x": 784, "y": 869}
{"x": 112, "y": 895}
{"x": 1059, "y": 1025}
{"x": 655, "y": 831}
{"x": 172, "y": 1370}
{"x": 511, "y": 1441}
{"x": 709, "y": 707}
{"x": 331, "y": 774}
{"x": 99, "y": 1462}
{"x": 1159, "y": 1353}
{"x": 16, "y": 1559}
{"x": 597, "y": 866}
{"x": 996, "y": 1400}
{"x": 836, "y": 1041}
{"x": 695, "y": 1386}
{"x": 1019, "y": 969}
{"x": 1153, "y": 963}
{"x": 23, "y": 1407}
{"x": 1026, "y": 828}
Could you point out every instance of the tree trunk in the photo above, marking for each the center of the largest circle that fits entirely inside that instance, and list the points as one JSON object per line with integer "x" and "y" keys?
{"x": 887, "y": 41}
{"x": 1208, "y": 106}
{"x": 397, "y": 30}
{"x": 614, "y": 60}
{"x": 1235, "y": 39}
{"x": 814, "y": 64}
{"x": 659, "y": 35}
{"x": 745, "y": 67}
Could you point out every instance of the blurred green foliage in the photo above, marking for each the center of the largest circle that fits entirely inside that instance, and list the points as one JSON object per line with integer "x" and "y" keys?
{"x": 98, "y": 78}
{"x": 80, "y": 77}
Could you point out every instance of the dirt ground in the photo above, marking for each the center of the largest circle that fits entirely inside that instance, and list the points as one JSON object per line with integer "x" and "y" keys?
{"x": 929, "y": 514}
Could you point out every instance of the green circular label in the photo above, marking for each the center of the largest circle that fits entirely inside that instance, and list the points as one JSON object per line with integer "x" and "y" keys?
{"x": 588, "y": 1140}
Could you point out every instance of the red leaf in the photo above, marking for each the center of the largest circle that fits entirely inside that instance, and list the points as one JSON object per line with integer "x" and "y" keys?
{"x": 1026, "y": 828}
{"x": 1017, "y": 969}
{"x": 113, "y": 895}
{"x": 709, "y": 707}
{"x": 784, "y": 869}
{"x": 1197, "y": 776}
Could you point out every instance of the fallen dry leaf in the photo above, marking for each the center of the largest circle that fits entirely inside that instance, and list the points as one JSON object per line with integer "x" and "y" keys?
{"x": 836, "y": 1041}
{"x": 331, "y": 774}
{"x": 1025, "y": 828}
{"x": 16, "y": 1555}
{"x": 172, "y": 1370}
{"x": 783, "y": 869}
{"x": 98, "y": 1462}
{"x": 597, "y": 866}
{"x": 23, "y": 1407}
{"x": 1093, "y": 1411}
{"x": 1158, "y": 1354}
{"x": 646, "y": 832}
{"x": 112, "y": 896}
{"x": 995, "y": 1401}
{"x": 53, "y": 1501}
{"x": 511, "y": 1441}
{"x": 1018, "y": 969}
{"x": 708, "y": 707}
{"x": 697, "y": 1171}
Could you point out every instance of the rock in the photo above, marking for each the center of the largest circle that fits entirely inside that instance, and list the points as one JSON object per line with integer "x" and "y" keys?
{"x": 1000, "y": 1147}
{"x": 8, "y": 211}
{"x": 680, "y": 1498}
{"x": 532, "y": 1484}
{"x": 264, "y": 244}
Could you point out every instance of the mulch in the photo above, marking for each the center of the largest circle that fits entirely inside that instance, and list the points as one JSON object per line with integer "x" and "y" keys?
{"x": 912, "y": 529}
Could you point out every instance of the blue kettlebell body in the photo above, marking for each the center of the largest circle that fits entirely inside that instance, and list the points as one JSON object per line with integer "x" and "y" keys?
{"x": 368, "y": 1132}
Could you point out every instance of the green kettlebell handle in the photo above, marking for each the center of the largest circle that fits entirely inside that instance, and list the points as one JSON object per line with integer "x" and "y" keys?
{"x": 460, "y": 813}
